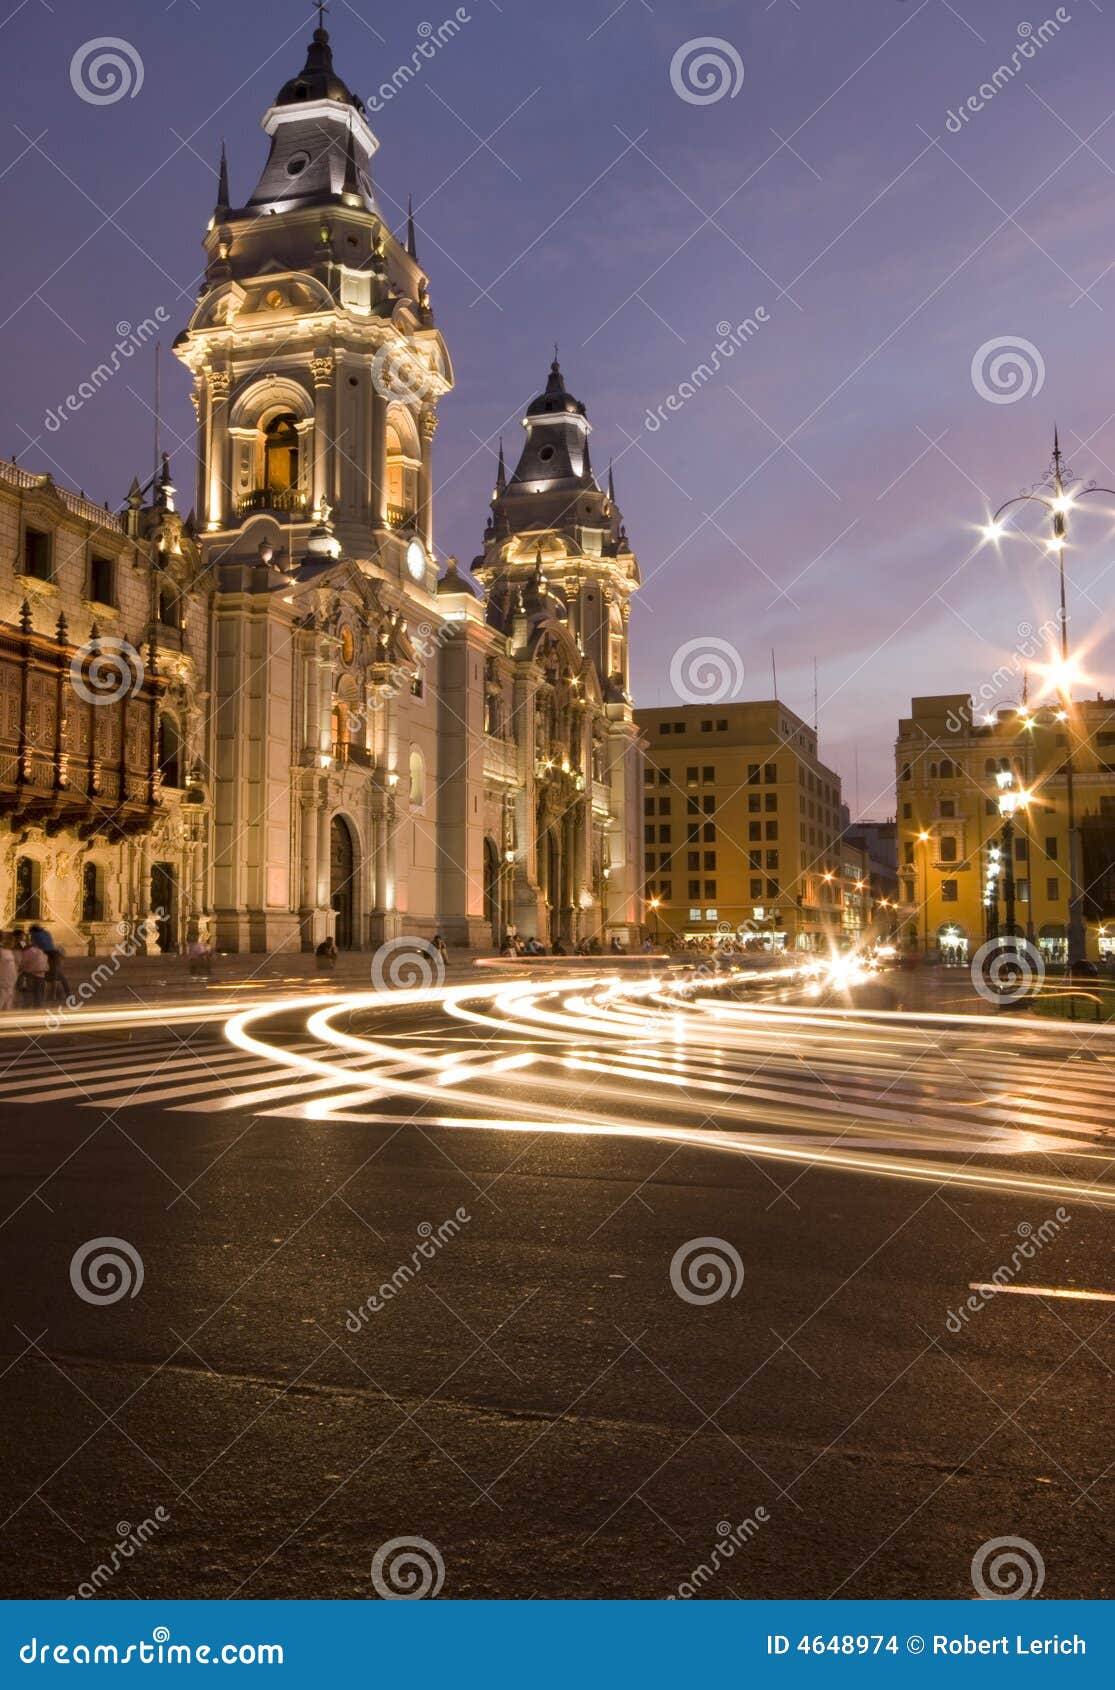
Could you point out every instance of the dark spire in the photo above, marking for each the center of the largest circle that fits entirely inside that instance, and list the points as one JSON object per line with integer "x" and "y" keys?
{"x": 501, "y": 472}
{"x": 611, "y": 483}
{"x": 412, "y": 245}
{"x": 223, "y": 199}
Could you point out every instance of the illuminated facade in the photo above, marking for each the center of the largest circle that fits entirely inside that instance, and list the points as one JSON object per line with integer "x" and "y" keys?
{"x": 326, "y": 738}
{"x": 742, "y": 825}
{"x": 948, "y": 763}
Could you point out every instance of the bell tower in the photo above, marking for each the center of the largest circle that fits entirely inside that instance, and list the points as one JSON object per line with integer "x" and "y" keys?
{"x": 316, "y": 363}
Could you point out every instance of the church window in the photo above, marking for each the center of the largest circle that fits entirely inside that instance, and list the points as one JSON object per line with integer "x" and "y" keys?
{"x": 92, "y": 893}
{"x": 417, "y": 779}
{"x": 28, "y": 879}
{"x": 170, "y": 751}
{"x": 297, "y": 164}
{"x": 102, "y": 571}
{"x": 280, "y": 448}
{"x": 36, "y": 554}
{"x": 170, "y": 607}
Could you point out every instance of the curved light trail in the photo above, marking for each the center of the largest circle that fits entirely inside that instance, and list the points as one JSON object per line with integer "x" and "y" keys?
{"x": 951, "y": 1099}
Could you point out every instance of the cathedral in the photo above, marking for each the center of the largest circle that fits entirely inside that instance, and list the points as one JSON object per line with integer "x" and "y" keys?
{"x": 276, "y": 719}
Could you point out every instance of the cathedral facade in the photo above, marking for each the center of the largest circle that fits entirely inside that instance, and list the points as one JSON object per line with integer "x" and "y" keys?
{"x": 277, "y": 719}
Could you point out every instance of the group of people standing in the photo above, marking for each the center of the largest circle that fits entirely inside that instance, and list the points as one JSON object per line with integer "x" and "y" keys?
{"x": 31, "y": 971}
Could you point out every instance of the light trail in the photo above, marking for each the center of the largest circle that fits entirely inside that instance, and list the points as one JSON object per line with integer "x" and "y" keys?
{"x": 892, "y": 1095}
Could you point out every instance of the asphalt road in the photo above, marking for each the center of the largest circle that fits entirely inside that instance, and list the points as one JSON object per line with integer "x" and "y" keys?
{"x": 534, "y": 1396}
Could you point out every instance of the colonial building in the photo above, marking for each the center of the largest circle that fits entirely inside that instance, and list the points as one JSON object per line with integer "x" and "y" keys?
{"x": 951, "y": 835}
{"x": 315, "y": 734}
{"x": 742, "y": 827}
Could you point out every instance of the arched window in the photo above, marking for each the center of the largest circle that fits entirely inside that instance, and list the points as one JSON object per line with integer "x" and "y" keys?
{"x": 340, "y": 731}
{"x": 28, "y": 880}
{"x": 92, "y": 893}
{"x": 170, "y": 751}
{"x": 402, "y": 466}
{"x": 417, "y": 780}
{"x": 280, "y": 453}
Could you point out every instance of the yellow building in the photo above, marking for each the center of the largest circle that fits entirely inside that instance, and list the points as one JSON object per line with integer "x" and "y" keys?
{"x": 742, "y": 824}
{"x": 949, "y": 823}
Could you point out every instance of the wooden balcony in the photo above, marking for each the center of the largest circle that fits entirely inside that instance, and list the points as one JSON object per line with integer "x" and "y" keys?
{"x": 74, "y": 757}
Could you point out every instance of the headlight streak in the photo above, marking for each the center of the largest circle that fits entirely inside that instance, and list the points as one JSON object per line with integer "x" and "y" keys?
{"x": 627, "y": 1019}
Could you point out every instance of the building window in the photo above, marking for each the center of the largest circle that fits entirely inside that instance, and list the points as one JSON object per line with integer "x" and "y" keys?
{"x": 170, "y": 751}
{"x": 948, "y": 806}
{"x": 710, "y": 888}
{"x": 722, "y": 725}
{"x": 694, "y": 915}
{"x": 693, "y": 859}
{"x": 756, "y": 889}
{"x": 665, "y": 836}
{"x": 708, "y": 833}
{"x": 708, "y": 804}
{"x": 648, "y": 806}
{"x": 692, "y": 808}
{"x": 754, "y": 859}
{"x": 946, "y": 849}
{"x": 663, "y": 806}
{"x": 1053, "y": 889}
{"x": 771, "y": 800}
{"x": 28, "y": 879}
{"x": 170, "y": 607}
{"x": 772, "y": 889}
{"x": 708, "y": 775}
{"x": 772, "y": 859}
{"x": 36, "y": 554}
{"x": 691, "y": 776}
{"x": 102, "y": 579}
{"x": 280, "y": 454}
{"x": 772, "y": 830}
{"x": 770, "y": 774}
{"x": 1051, "y": 850}
{"x": 754, "y": 802}
{"x": 1021, "y": 850}
{"x": 1022, "y": 887}
{"x": 694, "y": 888}
{"x": 92, "y": 893}
{"x": 754, "y": 830}
{"x": 417, "y": 779}
{"x": 706, "y": 727}
{"x": 710, "y": 860}
{"x": 949, "y": 891}
{"x": 666, "y": 888}
{"x": 752, "y": 774}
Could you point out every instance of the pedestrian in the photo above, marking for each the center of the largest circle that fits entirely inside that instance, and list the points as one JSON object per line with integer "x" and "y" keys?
{"x": 326, "y": 954}
{"x": 441, "y": 947}
{"x": 57, "y": 986}
{"x": 33, "y": 969}
{"x": 9, "y": 972}
{"x": 200, "y": 958}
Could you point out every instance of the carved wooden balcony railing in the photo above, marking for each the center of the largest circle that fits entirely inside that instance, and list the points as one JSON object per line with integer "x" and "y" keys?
{"x": 78, "y": 734}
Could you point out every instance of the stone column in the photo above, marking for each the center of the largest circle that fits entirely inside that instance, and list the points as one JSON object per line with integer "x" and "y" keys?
{"x": 322, "y": 369}
{"x": 220, "y": 384}
{"x": 378, "y": 466}
{"x": 323, "y": 888}
{"x": 427, "y": 428}
{"x": 309, "y": 854}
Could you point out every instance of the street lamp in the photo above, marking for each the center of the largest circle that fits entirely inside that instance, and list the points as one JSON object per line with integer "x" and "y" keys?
{"x": 1011, "y": 800}
{"x": 1058, "y": 503}
{"x": 656, "y": 904}
{"x": 923, "y": 838}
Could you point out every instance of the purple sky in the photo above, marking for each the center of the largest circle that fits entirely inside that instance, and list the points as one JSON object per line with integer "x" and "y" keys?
{"x": 818, "y": 494}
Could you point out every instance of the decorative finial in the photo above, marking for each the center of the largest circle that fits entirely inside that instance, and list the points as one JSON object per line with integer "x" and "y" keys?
{"x": 611, "y": 483}
{"x": 412, "y": 245}
{"x": 501, "y": 472}
{"x": 320, "y": 8}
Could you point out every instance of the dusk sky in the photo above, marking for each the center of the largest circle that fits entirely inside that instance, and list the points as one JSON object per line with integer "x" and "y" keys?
{"x": 819, "y": 494}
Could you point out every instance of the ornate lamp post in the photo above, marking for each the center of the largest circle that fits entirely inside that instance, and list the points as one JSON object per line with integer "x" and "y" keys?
{"x": 1058, "y": 502}
{"x": 1011, "y": 801}
{"x": 655, "y": 905}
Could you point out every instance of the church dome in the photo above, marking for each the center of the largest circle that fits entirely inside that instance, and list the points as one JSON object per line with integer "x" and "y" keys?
{"x": 555, "y": 400}
{"x": 318, "y": 80}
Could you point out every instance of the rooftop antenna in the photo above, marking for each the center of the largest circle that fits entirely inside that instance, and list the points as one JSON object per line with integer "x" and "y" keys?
{"x": 856, "y": 817}
{"x": 774, "y": 673}
{"x": 816, "y": 728}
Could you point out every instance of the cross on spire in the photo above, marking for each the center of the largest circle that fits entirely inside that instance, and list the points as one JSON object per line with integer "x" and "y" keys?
{"x": 321, "y": 8}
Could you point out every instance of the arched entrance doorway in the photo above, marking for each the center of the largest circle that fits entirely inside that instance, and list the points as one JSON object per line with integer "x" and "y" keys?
{"x": 164, "y": 903}
{"x": 493, "y": 911}
{"x": 342, "y": 882}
